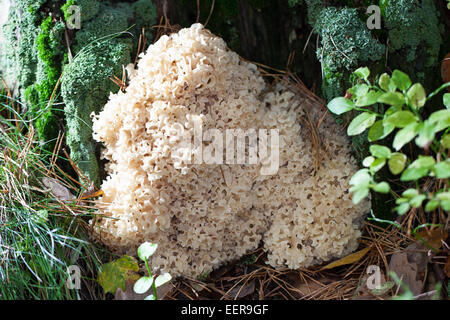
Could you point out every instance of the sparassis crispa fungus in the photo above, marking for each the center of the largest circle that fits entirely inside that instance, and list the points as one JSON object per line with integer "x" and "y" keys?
{"x": 203, "y": 215}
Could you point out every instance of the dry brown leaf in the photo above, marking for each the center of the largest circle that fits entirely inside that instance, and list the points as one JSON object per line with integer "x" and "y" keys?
{"x": 351, "y": 258}
{"x": 410, "y": 266}
{"x": 433, "y": 238}
{"x": 57, "y": 189}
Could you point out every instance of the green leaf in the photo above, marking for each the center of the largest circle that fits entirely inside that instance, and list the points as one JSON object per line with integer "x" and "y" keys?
{"x": 442, "y": 196}
{"x": 410, "y": 193}
{"x": 162, "y": 279}
{"x": 383, "y": 82}
{"x": 426, "y": 134}
{"x": 423, "y": 162}
{"x": 359, "y": 194}
{"x": 113, "y": 275}
{"x": 359, "y": 90}
{"x": 442, "y": 169}
{"x": 379, "y": 131}
{"x": 440, "y": 119}
{"x": 340, "y": 105}
{"x": 417, "y": 200}
{"x": 360, "y": 182}
{"x": 400, "y": 119}
{"x": 142, "y": 285}
{"x": 368, "y": 99}
{"x": 446, "y": 100}
{"x": 397, "y": 162}
{"x": 377, "y": 164}
{"x": 439, "y": 115}
{"x": 146, "y": 250}
{"x": 361, "y": 178}
{"x": 445, "y": 141}
{"x": 402, "y": 209}
{"x": 368, "y": 161}
{"x": 392, "y": 110}
{"x": 401, "y": 80}
{"x": 418, "y": 169}
{"x": 362, "y": 73}
{"x": 382, "y": 187}
{"x": 417, "y": 96}
{"x": 380, "y": 151}
{"x": 431, "y": 205}
{"x": 392, "y": 86}
{"x": 411, "y": 174}
{"x": 441, "y": 125}
{"x": 445, "y": 205}
{"x": 405, "y": 135}
{"x": 392, "y": 98}
{"x": 401, "y": 200}
{"x": 361, "y": 123}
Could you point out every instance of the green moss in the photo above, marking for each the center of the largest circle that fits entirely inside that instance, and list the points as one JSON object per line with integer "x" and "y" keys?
{"x": 18, "y": 54}
{"x": 345, "y": 44}
{"x": 414, "y": 36}
{"x": 38, "y": 95}
{"x": 85, "y": 89}
{"x": 86, "y": 83}
{"x": 109, "y": 21}
{"x": 65, "y": 7}
{"x": 410, "y": 31}
{"x": 88, "y": 9}
{"x": 36, "y": 51}
{"x": 315, "y": 7}
{"x": 32, "y": 43}
{"x": 144, "y": 13}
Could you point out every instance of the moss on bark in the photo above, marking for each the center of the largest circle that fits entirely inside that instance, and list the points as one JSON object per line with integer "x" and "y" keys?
{"x": 36, "y": 53}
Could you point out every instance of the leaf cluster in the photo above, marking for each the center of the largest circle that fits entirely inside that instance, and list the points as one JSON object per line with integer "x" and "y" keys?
{"x": 403, "y": 120}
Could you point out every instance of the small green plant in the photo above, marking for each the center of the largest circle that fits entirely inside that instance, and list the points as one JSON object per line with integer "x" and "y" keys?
{"x": 424, "y": 173}
{"x": 145, "y": 251}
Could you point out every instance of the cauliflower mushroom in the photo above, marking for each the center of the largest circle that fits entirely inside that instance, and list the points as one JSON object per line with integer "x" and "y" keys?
{"x": 205, "y": 214}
